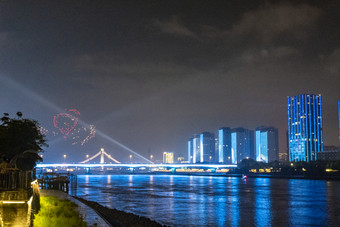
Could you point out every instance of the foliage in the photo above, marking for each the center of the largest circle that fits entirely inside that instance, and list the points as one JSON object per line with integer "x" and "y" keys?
{"x": 20, "y": 141}
{"x": 56, "y": 213}
{"x": 313, "y": 168}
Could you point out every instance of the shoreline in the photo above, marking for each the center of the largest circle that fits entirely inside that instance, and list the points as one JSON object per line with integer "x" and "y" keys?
{"x": 250, "y": 175}
{"x": 119, "y": 218}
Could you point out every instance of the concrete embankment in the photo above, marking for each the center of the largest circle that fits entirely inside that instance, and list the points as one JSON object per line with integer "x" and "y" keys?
{"x": 89, "y": 215}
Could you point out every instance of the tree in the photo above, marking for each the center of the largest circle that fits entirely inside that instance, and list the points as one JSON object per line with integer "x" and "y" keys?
{"x": 20, "y": 141}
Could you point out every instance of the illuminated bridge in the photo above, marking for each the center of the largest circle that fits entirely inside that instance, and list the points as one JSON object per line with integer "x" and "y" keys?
{"x": 102, "y": 154}
{"x": 134, "y": 165}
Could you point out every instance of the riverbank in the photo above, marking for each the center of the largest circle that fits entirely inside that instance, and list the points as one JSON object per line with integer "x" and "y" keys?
{"x": 119, "y": 218}
{"x": 251, "y": 175}
{"x": 88, "y": 214}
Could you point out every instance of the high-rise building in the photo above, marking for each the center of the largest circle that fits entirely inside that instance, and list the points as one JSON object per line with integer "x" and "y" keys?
{"x": 196, "y": 157}
{"x": 224, "y": 145}
{"x": 267, "y": 149}
{"x": 190, "y": 150}
{"x": 304, "y": 127}
{"x": 207, "y": 147}
{"x": 339, "y": 120}
{"x": 168, "y": 157}
{"x": 216, "y": 149}
{"x": 242, "y": 145}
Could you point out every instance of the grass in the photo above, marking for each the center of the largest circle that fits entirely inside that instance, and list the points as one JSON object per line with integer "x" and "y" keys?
{"x": 56, "y": 213}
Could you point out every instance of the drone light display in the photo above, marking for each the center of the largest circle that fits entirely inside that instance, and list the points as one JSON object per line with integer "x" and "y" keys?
{"x": 66, "y": 122}
{"x": 67, "y": 125}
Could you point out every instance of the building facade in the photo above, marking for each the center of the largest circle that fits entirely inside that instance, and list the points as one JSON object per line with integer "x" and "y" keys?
{"x": 168, "y": 157}
{"x": 304, "y": 127}
{"x": 224, "y": 145}
{"x": 207, "y": 147}
{"x": 190, "y": 150}
{"x": 196, "y": 152}
{"x": 242, "y": 145}
{"x": 330, "y": 153}
{"x": 266, "y": 144}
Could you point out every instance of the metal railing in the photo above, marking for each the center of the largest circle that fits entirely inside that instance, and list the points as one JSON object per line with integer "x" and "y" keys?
{"x": 15, "y": 180}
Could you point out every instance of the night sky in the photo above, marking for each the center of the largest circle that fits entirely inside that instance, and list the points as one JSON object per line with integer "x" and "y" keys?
{"x": 150, "y": 74}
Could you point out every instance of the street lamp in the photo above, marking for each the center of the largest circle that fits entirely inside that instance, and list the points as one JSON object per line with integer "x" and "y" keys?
{"x": 87, "y": 156}
{"x": 151, "y": 157}
{"x": 130, "y": 157}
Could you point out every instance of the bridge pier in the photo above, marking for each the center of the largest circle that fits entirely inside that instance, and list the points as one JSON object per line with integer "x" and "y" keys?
{"x": 213, "y": 170}
{"x": 88, "y": 170}
{"x": 173, "y": 170}
{"x": 132, "y": 170}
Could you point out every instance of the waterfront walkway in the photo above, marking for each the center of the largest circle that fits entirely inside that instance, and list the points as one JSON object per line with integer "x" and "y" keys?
{"x": 88, "y": 214}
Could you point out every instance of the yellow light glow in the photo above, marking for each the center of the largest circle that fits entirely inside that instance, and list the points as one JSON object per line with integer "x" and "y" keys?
{"x": 14, "y": 202}
{"x": 332, "y": 170}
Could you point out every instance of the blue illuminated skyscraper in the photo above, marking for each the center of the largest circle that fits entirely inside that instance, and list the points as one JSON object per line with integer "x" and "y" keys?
{"x": 267, "y": 149}
{"x": 207, "y": 147}
{"x": 242, "y": 145}
{"x": 224, "y": 145}
{"x": 196, "y": 149}
{"x": 304, "y": 127}
{"x": 190, "y": 150}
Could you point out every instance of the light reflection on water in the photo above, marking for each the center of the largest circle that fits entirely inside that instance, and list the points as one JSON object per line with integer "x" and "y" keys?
{"x": 217, "y": 201}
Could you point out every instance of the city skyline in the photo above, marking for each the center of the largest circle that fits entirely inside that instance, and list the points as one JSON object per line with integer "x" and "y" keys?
{"x": 147, "y": 75}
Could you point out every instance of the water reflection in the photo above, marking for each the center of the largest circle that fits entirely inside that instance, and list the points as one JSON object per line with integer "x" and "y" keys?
{"x": 109, "y": 180}
{"x": 234, "y": 214}
{"x": 262, "y": 202}
{"x": 308, "y": 202}
{"x": 217, "y": 201}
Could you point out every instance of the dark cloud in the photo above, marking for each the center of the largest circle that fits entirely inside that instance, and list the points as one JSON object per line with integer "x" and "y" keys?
{"x": 174, "y": 26}
{"x": 332, "y": 62}
{"x": 269, "y": 54}
{"x": 271, "y": 21}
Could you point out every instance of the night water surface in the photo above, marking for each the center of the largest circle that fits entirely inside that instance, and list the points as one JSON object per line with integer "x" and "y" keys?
{"x": 217, "y": 201}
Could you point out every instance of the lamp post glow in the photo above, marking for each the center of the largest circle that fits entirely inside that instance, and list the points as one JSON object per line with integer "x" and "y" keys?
{"x": 87, "y": 156}
{"x": 151, "y": 157}
{"x": 130, "y": 157}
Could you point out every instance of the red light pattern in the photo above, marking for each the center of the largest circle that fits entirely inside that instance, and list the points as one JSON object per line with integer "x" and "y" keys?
{"x": 65, "y": 122}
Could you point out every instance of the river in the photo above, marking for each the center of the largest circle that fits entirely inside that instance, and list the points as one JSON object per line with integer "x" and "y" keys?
{"x": 177, "y": 200}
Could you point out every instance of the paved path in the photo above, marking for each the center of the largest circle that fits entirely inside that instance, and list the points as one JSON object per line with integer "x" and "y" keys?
{"x": 89, "y": 215}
